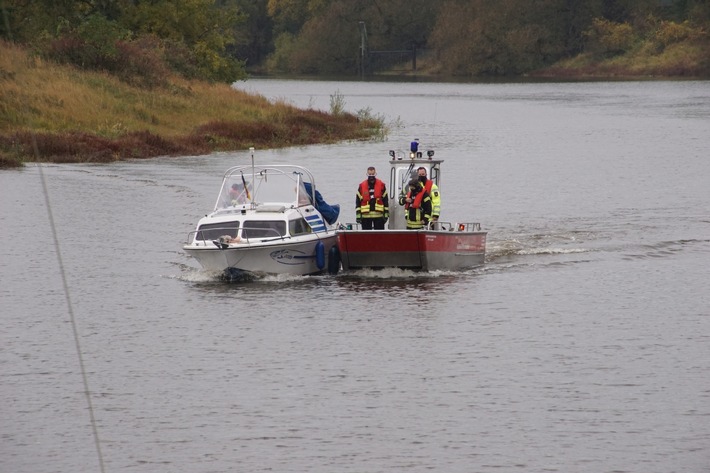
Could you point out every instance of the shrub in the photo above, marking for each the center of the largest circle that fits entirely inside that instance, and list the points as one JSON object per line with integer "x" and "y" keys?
{"x": 181, "y": 59}
{"x": 609, "y": 38}
{"x": 670, "y": 32}
{"x": 92, "y": 45}
{"x": 141, "y": 63}
{"x": 337, "y": 103}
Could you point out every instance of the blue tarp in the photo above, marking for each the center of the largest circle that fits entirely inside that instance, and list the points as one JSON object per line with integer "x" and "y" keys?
{"x": 330, "y": 212}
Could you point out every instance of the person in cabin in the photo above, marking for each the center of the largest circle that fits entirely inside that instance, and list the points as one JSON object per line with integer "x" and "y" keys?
{"x": 433, "y": 191}
{"x": 372, "y": 202}
{"x": 417, "y": 206}
{"x": 237, "y": 194}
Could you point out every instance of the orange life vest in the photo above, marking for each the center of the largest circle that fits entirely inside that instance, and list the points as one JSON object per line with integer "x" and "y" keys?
{"x": 379, "y": 190}
{"x": 427, "y": 186}
{"x": 417, "y": 200}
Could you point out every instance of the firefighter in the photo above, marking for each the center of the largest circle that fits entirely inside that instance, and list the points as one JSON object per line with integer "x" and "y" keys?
{"x": 371, "y": 202}
{"x": 417, "y": 206}
{"x": 433, "y": 191}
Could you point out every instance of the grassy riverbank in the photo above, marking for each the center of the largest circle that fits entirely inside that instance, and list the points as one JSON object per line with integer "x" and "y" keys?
{"x": 56, "y": 113}
{"x": 683, "y": 60}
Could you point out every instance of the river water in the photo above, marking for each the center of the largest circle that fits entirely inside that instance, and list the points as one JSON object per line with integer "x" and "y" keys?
{"x": 582, "y": 345}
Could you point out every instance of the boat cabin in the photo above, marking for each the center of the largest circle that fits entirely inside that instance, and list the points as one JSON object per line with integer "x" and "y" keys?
{"x": 402, "y": 170}
{"x": 264, "y": 203}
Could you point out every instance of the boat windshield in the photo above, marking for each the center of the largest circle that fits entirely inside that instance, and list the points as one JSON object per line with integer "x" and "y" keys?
{"x": 212, "y": 231}
{"x": 263, "y": 229}
{"x": 269, "y": 186}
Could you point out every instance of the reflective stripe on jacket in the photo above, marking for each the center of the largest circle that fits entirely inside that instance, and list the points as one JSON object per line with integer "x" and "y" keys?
{"x": 418, "y": 213}
{"x": 433, "y": 191}
{"x": 371, "y": 207}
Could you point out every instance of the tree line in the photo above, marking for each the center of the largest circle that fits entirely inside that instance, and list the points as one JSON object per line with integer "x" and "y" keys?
{"x": 142, "y": 41}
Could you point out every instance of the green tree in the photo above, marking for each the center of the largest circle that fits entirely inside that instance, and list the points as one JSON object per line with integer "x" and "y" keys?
{"x": 327, "y": 39}
{"x": 400, "y": 24}
{"x": 200, "y": 31}
{"x": 214, "y": 39}
{"x": 254, "y": 36}
{"x": 327, "y": 43}
{"x": 288, "y": 16}
{"x": 205, "y": 27}
{"x": 500, "y": 37}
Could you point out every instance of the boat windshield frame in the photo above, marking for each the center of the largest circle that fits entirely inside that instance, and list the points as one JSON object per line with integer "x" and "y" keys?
{"x": 270, "y": 184}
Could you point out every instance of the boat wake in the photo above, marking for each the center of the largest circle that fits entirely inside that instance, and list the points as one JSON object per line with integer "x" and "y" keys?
{"x": 196, "y": 275}
{"x": 521, "y": 250}
{"x": 513, "y": 247}
{"x": 665, "y": 249}
{"x": 514, "y": 252}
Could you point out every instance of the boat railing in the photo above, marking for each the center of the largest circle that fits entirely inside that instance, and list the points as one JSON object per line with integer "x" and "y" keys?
{"x": 349, "y": 226}
{"x": 440, "y": 225}
{"x": 465, "y": 227}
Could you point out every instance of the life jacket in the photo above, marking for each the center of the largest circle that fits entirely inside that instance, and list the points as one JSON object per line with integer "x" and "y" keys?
{"x": 379, "y": 190}
{"x": 427, "y": 186}
{"x": 417, "y": 200}
{"x": 416, "y": 216}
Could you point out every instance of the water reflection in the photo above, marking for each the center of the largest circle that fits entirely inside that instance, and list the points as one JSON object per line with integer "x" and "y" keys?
{"x": 392, "y": 282}
{"x": 384, "y": 290}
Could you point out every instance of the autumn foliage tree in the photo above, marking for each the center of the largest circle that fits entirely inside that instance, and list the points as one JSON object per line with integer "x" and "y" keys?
{"x": 323, "y": 36}
{"x": 139, "y": 40}
{"x": 512, "y": 37}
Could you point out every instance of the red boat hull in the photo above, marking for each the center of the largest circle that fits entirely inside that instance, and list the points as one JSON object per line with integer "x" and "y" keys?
{"x": 424, "y": 250}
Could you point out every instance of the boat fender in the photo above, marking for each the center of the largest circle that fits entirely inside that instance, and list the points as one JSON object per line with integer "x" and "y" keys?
{"x": 320, "y": 255}
{"x": 334, "y": 260}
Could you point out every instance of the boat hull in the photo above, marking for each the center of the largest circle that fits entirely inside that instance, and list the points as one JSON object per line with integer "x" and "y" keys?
{"x": 295, "y": 258}
{"x": 420, "y": 250}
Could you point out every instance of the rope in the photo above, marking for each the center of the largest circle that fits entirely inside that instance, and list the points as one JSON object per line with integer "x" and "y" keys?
{"x": 87, "y": 393}
{"x": 70, "y": 308}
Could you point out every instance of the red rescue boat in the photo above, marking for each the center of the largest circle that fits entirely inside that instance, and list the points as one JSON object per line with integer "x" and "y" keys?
{"x": 447, "y": 246}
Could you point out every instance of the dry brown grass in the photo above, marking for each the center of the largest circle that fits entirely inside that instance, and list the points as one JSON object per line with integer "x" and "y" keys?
{"x": 685, "y": 58}
{"x": 74, "y": 115}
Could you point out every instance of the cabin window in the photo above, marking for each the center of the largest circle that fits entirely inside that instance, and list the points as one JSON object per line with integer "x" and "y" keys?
{"x": 212, "y": 231}
{"x": 298, "y": 227}
{"x": 263, "y": 229}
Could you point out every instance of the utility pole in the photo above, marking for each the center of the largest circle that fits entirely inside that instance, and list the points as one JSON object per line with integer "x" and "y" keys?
{"x": 414, "y": 56}
{"x": 363, "y": 48}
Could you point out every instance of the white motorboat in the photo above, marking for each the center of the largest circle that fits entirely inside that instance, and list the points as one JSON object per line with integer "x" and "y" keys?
{"x": 267, "y": 220}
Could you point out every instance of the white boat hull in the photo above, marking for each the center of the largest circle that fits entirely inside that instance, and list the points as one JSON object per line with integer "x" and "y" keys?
{"x": 278, "y": 257}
